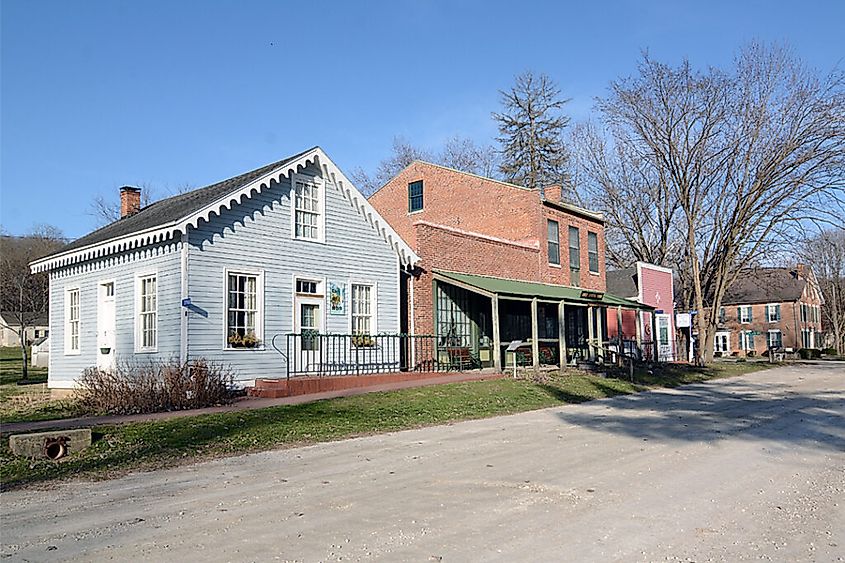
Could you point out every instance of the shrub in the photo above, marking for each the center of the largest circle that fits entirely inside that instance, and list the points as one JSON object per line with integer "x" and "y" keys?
{"x": 829, "y": 352}
{"x": 154, "y": 387}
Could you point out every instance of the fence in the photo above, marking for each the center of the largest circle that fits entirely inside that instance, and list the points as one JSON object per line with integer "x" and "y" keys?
{"x": 312, "y": 353}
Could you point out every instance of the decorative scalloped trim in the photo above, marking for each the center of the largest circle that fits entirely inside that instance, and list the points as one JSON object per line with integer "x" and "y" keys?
{"x": 330, "y": 172}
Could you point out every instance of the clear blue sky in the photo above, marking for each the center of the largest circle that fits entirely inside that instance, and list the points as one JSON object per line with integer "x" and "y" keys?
{"x": 99, "y": 94}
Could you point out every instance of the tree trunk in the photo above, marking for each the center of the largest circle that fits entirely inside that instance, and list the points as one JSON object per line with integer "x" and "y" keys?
{"x": 25, "y": 366}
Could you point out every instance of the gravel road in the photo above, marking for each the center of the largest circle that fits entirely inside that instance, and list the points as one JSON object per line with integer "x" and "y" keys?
{"x": 750, "y": 468}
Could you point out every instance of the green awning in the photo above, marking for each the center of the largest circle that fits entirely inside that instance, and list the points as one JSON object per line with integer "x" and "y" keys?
{"x": 505, "y": 288}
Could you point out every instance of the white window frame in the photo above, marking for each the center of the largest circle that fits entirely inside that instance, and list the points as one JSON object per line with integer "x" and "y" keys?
{"x": 769, "y": 337}
{"x": 259, "y": 304}
{"x": 139, "y": 335}
{"x": 69, "y": 351}
{"x": 746, "y": 337}
{"x": 742, "y": 310}
{"x": 719, "y": 333}
{"x": 373, "y": 305}
{"x": 321, "y": 203}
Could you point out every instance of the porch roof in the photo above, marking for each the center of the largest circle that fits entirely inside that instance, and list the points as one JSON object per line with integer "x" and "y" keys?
{"x": 515, "y": 288}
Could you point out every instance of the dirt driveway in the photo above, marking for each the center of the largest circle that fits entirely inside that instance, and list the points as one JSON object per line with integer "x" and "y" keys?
{"x": 747, "y": 468}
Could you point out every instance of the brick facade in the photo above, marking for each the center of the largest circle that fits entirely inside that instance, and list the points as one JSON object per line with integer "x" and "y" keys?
{"x": 476, "y": 225}
{"x": 790, "y": 324}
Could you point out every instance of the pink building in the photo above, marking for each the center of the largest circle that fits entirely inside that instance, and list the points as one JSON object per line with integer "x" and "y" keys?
{"x": 650, "y": 285}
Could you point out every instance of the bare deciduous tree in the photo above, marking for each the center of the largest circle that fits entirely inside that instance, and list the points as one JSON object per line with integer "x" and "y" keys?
{"x": 24, "y": 296}
{"x": 748, "y": 156}
{"x": 825, "y": 253}
{"x": 531, "y": 128}
{"x": 459, "y": 153}
{"x": 106, "y": 209}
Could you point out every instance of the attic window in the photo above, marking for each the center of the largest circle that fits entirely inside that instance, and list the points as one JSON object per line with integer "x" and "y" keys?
{"x": 308, "y": 198}
{"x": 415, "y": 196}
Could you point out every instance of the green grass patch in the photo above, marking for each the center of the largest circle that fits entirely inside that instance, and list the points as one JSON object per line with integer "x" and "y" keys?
{"x": 31, "y": 402}
{"x": 151, "y": 445}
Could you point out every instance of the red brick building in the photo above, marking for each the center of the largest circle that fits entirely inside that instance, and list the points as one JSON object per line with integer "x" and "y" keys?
{"x": 770, "y": 308}
{"x": 495, "y": 234}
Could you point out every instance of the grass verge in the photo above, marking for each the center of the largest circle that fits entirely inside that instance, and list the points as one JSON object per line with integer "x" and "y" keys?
{"x": 151, "y": 445}
{"x": 30, "y": 402}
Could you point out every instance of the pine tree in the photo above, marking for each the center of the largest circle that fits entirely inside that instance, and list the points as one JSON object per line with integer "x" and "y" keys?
{"x": 531, "y": 127}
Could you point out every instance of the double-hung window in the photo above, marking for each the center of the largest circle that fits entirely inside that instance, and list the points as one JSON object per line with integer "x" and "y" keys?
{"x": 747, "y": 339}
{"x": 147, "y": 327}
{"x": 72, "y": 315}
{"x": 574, "y": 256}
{"x": 593, "y": 251}
{"x": 308, "y": 208}
{"x": 774, "y": 339}
{"x": 362, "y": 310}
{"x": 744, "y": 314}
{"x": 553, "y": 229}
{"x": 415, "y": 196}
{"x": 243, "y": 328}
{"x": 773, "y": 313}
{"x": 721, "y": 314}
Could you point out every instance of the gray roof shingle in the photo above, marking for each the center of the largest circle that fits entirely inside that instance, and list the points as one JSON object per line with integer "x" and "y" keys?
{"x": 765, "y": 285}
{"x": 174, "y": 208}
{"x": 623, "y": 283}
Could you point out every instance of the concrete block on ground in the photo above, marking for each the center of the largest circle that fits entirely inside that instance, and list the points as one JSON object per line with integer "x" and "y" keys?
{"x": 34, "y": 445}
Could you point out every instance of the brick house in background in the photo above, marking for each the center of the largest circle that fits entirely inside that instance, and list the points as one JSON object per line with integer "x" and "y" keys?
{"x": 652, "y": 285}
{"x": 770, "y": 308}
{"x": 499, "y": 262}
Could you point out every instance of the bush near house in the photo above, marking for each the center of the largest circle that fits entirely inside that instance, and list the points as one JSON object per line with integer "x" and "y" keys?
{"x": 809, "y": 353}
{"x": 155, "y": 387}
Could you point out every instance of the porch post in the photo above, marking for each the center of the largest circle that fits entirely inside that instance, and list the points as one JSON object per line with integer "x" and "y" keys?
{"x": 497, "y": 338}
{"x": 561, "y": 334}
{"x": 620, "y": 349}
{"x": 590, "y": 333}
{"x": 535, "y": 335}
{"x": 601, "y": 312}
{"x": 639, "y": 328}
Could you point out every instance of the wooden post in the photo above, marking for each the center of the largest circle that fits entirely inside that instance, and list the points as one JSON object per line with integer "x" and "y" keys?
{"x": 639, "y": 328}
{"x": 621, "y": 349}
{"x": 535, "y": 336}
{"x": 601, "y": 312}
{"x": 590, "y": 333}
{"x": 561, "y": 334}
{"x": 497, "y": 337}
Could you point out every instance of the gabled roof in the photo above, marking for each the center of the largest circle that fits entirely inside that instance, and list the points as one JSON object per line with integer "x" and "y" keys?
{"x": 489, "y": 285}
{"x": 165, "y": 219}
{"x": 623, "y": 283}
{"x": 765, "y": 285}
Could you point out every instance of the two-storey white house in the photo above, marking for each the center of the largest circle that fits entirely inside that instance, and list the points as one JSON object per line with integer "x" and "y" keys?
{"x": 217, "y": 272}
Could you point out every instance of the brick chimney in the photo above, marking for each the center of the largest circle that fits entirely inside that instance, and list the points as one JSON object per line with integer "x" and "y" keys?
{"x": 130, "y": 201}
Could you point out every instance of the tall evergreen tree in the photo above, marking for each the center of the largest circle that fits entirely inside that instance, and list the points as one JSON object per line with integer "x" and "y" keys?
{"x": 531, "y": 128}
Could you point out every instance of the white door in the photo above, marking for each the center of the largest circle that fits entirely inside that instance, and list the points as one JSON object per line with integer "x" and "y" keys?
{"x": 105, "y": 327}
{"x": 664, "y": 342}
{"x": 309, "y": 325}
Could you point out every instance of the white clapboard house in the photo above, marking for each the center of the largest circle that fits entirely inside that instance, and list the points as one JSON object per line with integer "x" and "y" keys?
{"x": 218, "y": 272}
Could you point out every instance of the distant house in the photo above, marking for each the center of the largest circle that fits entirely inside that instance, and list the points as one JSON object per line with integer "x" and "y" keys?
{"x": 9, "y": 334}
{"x": 651, "y": 285}
{"x": 770, "y": 308}
{"x": 500, "y": 263}
{"x": 218, "y": 272}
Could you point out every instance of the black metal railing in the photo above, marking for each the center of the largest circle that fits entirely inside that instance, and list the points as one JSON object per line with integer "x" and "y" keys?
{"x": 317, "y": 354}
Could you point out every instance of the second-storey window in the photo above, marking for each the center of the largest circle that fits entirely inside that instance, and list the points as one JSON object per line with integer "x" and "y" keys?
{"x": 362, "y": 309}
{"x": 721, "y": 314}
{"x": 593, "y": 250}
{"x": 72, "y": 311}
{"x": 744, "y": 314}
{"x": 147, "y": 313}
{"x": 574, "y": 256}
{"x": 306, "y": 209}
{"x": 415, "y": 196}
{"x": 773, "y": 313}
{"x": 554, "y": 242}
{"x": 242, "y": 330}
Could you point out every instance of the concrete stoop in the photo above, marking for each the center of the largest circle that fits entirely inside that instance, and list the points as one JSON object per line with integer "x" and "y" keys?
{"x": 276, "y": 388}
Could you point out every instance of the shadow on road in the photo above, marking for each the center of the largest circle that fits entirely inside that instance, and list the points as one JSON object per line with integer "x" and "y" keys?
{"x": 736, "y": 409}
